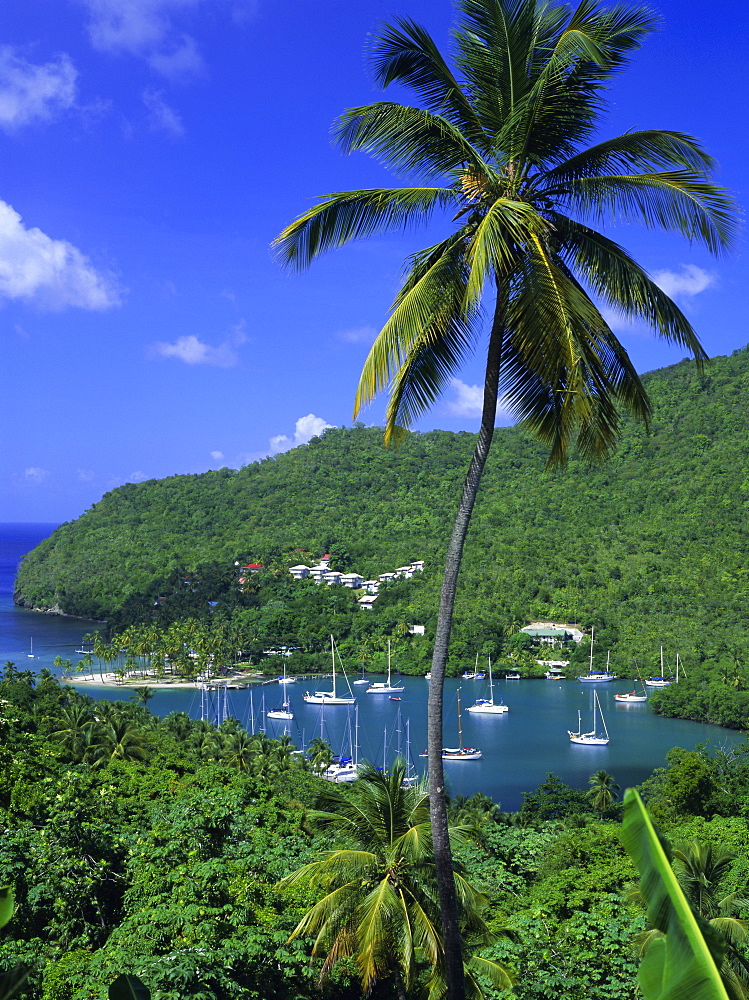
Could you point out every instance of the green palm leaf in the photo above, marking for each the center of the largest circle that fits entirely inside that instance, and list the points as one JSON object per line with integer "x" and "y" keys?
{"x": 405, "y": 138}
{"x": 684, "y": 964}
{"x": 406, "y": 53}
{"x": 677, "y": 201}
{"x": 354, "y": 215}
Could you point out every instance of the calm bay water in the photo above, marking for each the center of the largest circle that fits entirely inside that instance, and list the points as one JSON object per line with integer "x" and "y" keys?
{"x": 519, "y": 747}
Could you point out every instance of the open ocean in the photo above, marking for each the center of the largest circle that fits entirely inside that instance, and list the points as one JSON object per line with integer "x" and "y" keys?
{"x": 519, "y": 747}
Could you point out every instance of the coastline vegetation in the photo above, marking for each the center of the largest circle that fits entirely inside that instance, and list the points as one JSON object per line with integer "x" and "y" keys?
{"x": 171, "y": 859}
{"x": 652, "y": 549}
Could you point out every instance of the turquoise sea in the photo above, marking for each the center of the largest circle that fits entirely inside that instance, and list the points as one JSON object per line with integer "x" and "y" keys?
{"x": 519, "y": 747}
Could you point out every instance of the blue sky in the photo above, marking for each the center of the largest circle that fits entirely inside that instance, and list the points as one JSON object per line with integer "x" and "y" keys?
{"x": 152, "y": 149}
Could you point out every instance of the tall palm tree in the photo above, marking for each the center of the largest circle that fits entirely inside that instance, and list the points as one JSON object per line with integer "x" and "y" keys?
{"x": 500, "y": 143}
{"x": 380, "y": 896}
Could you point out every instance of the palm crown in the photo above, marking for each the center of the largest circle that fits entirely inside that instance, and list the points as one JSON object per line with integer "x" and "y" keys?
{"x": 504, "y": 135}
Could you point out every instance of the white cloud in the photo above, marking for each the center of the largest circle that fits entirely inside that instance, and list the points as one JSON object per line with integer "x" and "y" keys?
{"x": 86, "y": 475}
{"x": 51, "y": 273}
{"x": 217, "y": 456}
{"x": 358, "y": 335}
{"x": 162, "y": 117}
{"x": 305, "y": 429}
{"x": 617, "y": 321}
{"x": 146, "y": 29}
{"x": 689, "y": 281}
{"x": 136, "y": 477}
{"x": 35, "y": 475}
{"x": 469, "y": 401}
{"x": 181, "y": 59}
{"x": 194, "y": 351}
{"x": 31, "y": 92}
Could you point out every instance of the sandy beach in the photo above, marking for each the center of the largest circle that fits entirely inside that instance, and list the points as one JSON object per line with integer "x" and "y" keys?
{"x": 111, "y": 679}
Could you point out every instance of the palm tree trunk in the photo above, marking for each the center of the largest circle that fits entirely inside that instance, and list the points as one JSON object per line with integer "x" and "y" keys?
{"x": 437, "y": 802}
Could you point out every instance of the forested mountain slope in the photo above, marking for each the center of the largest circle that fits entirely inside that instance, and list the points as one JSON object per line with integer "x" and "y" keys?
{"x": 653, "y": 546}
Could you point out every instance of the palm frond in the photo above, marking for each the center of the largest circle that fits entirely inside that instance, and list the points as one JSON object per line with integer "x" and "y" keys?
{"x": 425, "y": 339}
{"x": 376, "y": 915}
{"x": 564, "y": 371}
{"x": 331, "y": 865}
{"x": 405, "y": 53}
{"x": 495, "y": 972}
{"x": 493, "y": 247}
{"x": 354, "y": 215}
{"x": 676, "y": 201}
{"x": 407, "y": 139}
{"x": 646, "y": 148}
{"x": 615, "y": 277}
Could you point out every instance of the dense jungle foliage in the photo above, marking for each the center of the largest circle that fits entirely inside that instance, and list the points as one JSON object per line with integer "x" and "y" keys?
{"x": 652, "y": 548}
{"x": 156, "y": 847}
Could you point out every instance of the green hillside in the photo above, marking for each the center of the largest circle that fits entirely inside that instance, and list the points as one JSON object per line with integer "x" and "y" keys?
{"x": 652, "y": 548}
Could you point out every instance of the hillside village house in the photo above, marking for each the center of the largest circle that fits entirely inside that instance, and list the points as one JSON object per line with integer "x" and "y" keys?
{"x": 300, "y": 572}
{"x": 552, "y": 634}
{"x": 321, "y": 573}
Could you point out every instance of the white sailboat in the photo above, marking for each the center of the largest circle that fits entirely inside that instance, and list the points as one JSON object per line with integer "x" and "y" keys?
{"x": 411, "y": 777}
{"x": 632, "y": 697}
{"x": 346, "y": 769}
{"x": 486, "y": 706}
{"x": 658, "y": 682}
{"x": 590, "y": 677}
{"x": 330, "y": 697}
{"x": 362, "y": 679}
{"x": 385, "y": 687}
{"x": 591, "y": 739}
{"x": 476, "y": 675}
{"x": 460, "y": 752}
{"x": 30, "y": 653}
{"x": 284, "y": 712}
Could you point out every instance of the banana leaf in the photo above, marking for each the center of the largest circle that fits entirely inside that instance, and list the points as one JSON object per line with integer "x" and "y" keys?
{"x": 127, "y": 987}
{"x": 685, "y": 964}
{"x": 7, "y": 905}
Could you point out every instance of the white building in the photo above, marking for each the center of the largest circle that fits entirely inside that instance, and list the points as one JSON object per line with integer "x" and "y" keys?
{"x": 405, "y": 572}
{"x": 366, "y": 603}
{"x": 300, "y": 572}
{"x": 352, "y": 580}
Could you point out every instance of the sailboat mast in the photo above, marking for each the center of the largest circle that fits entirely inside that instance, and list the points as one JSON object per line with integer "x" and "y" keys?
{"x": 491, "y": 684}
{"x": 602, "y": 719}
{"x": 460, "y": 724}
{"x": 592, "y": 633}
{"x": 332, "y": 655}
{"x": 355, "y": 754}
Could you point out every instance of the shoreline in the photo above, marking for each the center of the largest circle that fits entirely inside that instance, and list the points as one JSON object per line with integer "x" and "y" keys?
{"x": 110, "y": 679}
